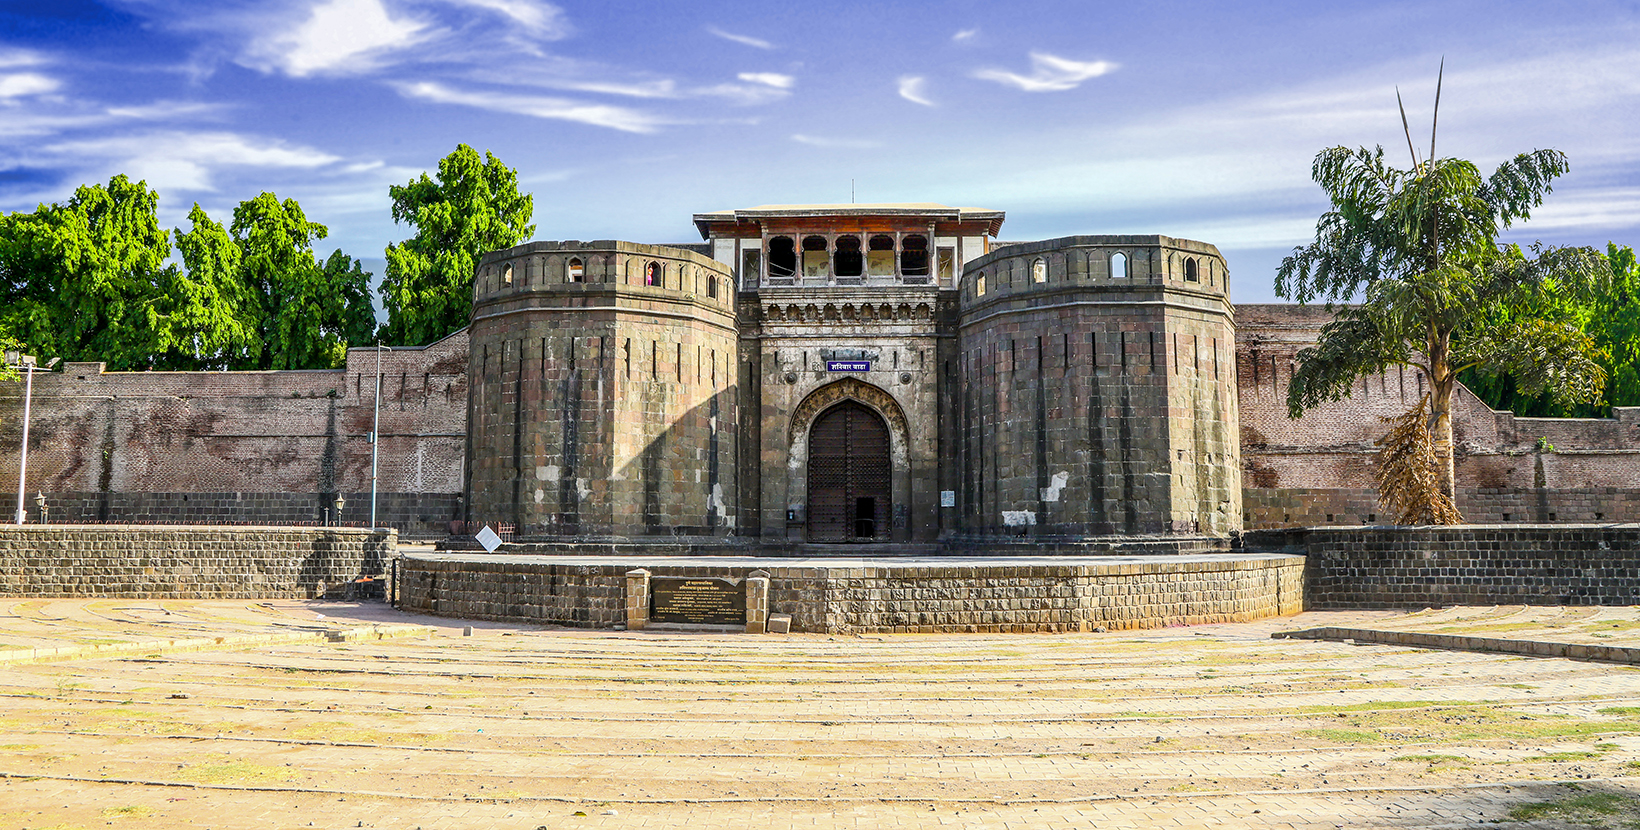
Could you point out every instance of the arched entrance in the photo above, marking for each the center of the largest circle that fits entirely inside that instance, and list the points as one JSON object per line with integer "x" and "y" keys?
{"x": 849, "y": 485}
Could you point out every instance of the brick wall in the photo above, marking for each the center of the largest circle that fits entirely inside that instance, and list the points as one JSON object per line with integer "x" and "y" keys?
{"x": 247, "y": 447}
{"x": 966, "y": 598}
{"x": 1296, "y": 472}
{"x": 152, "y": 562}
{"x": 1384, "y": 567}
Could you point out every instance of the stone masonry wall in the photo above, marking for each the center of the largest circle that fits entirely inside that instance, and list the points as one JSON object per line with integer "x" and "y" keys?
{"x": 604, "y": 405}
{"x": 959, "y": 598}
{"x": 1093, "y": 402}
{"x": 1381, "y": 567}
{"x": 154, "y": 562}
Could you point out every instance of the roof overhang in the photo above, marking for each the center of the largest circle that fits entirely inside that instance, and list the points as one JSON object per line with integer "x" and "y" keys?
{"x": 918, "y": 210}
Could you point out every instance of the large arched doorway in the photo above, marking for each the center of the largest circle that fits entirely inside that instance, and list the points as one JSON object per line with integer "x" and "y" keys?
{"x": 849, "y": 486}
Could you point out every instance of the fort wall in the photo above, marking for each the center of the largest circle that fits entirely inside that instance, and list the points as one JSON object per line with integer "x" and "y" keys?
{"x": 1317, "y": 470}
{"x": 602, "y": 401}
{"x": 247, "y": 447}
{"x": 1093, "y": 397}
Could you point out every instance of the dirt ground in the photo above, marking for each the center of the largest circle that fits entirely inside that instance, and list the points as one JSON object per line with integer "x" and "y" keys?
{"x": 517, "y": 727}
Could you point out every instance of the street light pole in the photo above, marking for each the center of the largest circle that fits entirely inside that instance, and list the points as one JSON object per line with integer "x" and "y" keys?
{"x": 27, "y": 362}
{"x": 22, "y": 465}
{"x": 375, "y": 434}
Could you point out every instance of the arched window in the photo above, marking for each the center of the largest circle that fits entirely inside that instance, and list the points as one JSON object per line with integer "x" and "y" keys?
{"x": 914, "y": 256}
{"x": 1039, "y": 270}
{"x": 577, "y": 270}
{"x": 816, "y": 259}
{"x": 847, "y": 258}
{"x": 880, "y": 256}
{"x": 506, "y": 274}
{"x": 782, "y": 257}
{"x": 711, "y": 286}
{"x": 979, "y": 286}
{"x": 1118, "y": 266}
{"x": 655, "y": 275}
{"x": 1190, "y": 274}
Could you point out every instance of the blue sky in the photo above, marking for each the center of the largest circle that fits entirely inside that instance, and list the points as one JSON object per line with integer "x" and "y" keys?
{"x": 1197, "y": 120}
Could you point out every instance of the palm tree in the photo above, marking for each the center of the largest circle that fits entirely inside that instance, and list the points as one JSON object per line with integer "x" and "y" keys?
{"x": 1416, "y": 251}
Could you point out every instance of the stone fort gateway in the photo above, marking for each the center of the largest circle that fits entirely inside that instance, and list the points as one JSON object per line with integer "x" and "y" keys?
{"x": 887, "y": 374}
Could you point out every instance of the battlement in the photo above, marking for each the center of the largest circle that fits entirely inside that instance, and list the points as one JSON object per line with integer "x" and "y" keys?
{"x": 1105, "y": 261}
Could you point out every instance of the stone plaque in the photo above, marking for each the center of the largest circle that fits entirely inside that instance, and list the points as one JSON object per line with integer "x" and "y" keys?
{"x": 701, "y": 600}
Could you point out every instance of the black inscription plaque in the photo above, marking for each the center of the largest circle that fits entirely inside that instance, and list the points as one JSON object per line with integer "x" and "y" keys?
{"x": 702, "y": 600}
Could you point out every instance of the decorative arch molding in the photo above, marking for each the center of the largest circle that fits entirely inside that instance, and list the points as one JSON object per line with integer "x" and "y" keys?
{"x": 848, "y": 389}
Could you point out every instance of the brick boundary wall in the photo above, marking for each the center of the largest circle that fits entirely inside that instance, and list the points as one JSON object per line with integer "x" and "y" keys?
{"x": 1079, "y": 596}
{"x": 1421, "y": 567}
{"x": 181, "y": 562}
{"x": 1314, "y": 506}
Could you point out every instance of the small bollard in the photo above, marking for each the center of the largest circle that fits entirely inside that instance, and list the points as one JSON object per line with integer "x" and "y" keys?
{"x": 637, "y": 599}
{"x": 757, "y": 602}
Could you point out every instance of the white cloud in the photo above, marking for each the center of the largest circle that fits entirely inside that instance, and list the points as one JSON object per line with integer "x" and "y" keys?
{"x": 541, "y": 19}
{"x": 13, "y": 58}
{"x": 746, "y": 40}
{"x": 746, "y": 94}
{"x": 598, "y": 115}
{"x": 337, "y": 37}
{"x": 173, "y": 161}
{"x": 774, "y": 79}
{"x": 836, "y": 143}
{"x": 1049, "y": 73}
{"x": 964, "y": 35}
{"x": 18, "y": 84}
{"x": 913, "y": 89}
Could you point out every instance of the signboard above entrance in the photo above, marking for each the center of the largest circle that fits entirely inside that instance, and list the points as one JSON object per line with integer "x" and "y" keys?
{"x": 848, "y": 365}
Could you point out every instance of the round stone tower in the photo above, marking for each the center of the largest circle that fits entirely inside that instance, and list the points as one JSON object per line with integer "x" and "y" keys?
{"x": 1096, "y": 391}
{"x": 602, "y": 390}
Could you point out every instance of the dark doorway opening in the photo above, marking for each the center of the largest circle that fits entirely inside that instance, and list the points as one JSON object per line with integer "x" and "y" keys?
{"x": 848, "y": 482}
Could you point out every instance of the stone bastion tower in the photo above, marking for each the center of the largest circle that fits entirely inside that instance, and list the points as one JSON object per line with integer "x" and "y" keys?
{"x": 854, "y": 373}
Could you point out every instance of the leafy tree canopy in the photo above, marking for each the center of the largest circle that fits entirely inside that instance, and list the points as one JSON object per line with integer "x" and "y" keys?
{"x": 1418, "y": 250}
{"x": 79, "y": 280}
{"x": 309, "y": 313}
{"x": 1610, "y": 318}
{"x": 473, "y": 208}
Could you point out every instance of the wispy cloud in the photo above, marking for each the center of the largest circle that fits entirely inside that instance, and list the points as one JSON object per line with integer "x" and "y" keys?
{"x": 541, "y": 19}
{"x": 836, "y": 143}
{"x": 1049, "y": 73}
{"x": 914, "y": 89}
{"x": 744, "y": 94}
{"x": 337, "y": 37}
{"x": 18, "y": 84}
{"x": 174, "y": 160}
{"x": 774, "y": 79}
{"x": 537, "y": 106}
{"x": 745, "y": 40}
{"x": 13, "y": 58}
{"x": 964, "y": 35}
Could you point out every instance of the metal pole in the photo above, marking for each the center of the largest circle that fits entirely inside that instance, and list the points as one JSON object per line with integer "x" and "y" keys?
{"x": 375, "y": 434}
{"x": 22, "y": 465}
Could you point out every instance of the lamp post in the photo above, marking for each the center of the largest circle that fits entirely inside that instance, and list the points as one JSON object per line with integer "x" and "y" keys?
{"x": 40, "y": 504}
{"x": 375, "y": 432}
{"x": 27, "y": 361}
{"x": 336, "y": 517}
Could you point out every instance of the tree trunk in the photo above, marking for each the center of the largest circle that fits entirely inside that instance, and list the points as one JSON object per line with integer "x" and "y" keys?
{"x": 1442, "y": 382}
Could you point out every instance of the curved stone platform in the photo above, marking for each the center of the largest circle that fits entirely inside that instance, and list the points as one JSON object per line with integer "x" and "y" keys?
{"x": 892, "y": 594}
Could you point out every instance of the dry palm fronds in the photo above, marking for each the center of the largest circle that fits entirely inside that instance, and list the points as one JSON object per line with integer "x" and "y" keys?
{"x": 1404, "y": 471}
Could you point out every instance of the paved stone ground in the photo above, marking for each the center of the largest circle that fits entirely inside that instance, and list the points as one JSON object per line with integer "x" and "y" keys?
{"x": 513, "y": 727}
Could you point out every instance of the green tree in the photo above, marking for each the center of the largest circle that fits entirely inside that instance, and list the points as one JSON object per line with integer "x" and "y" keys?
{"x": 1418, "y": 248}
{"x": 79, "y": 280}
{"x": 472, "y": 209}
{"x": 206, "y": 318}
{"x": 309, "y": 313}
{"x": 1611, "y": 318}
